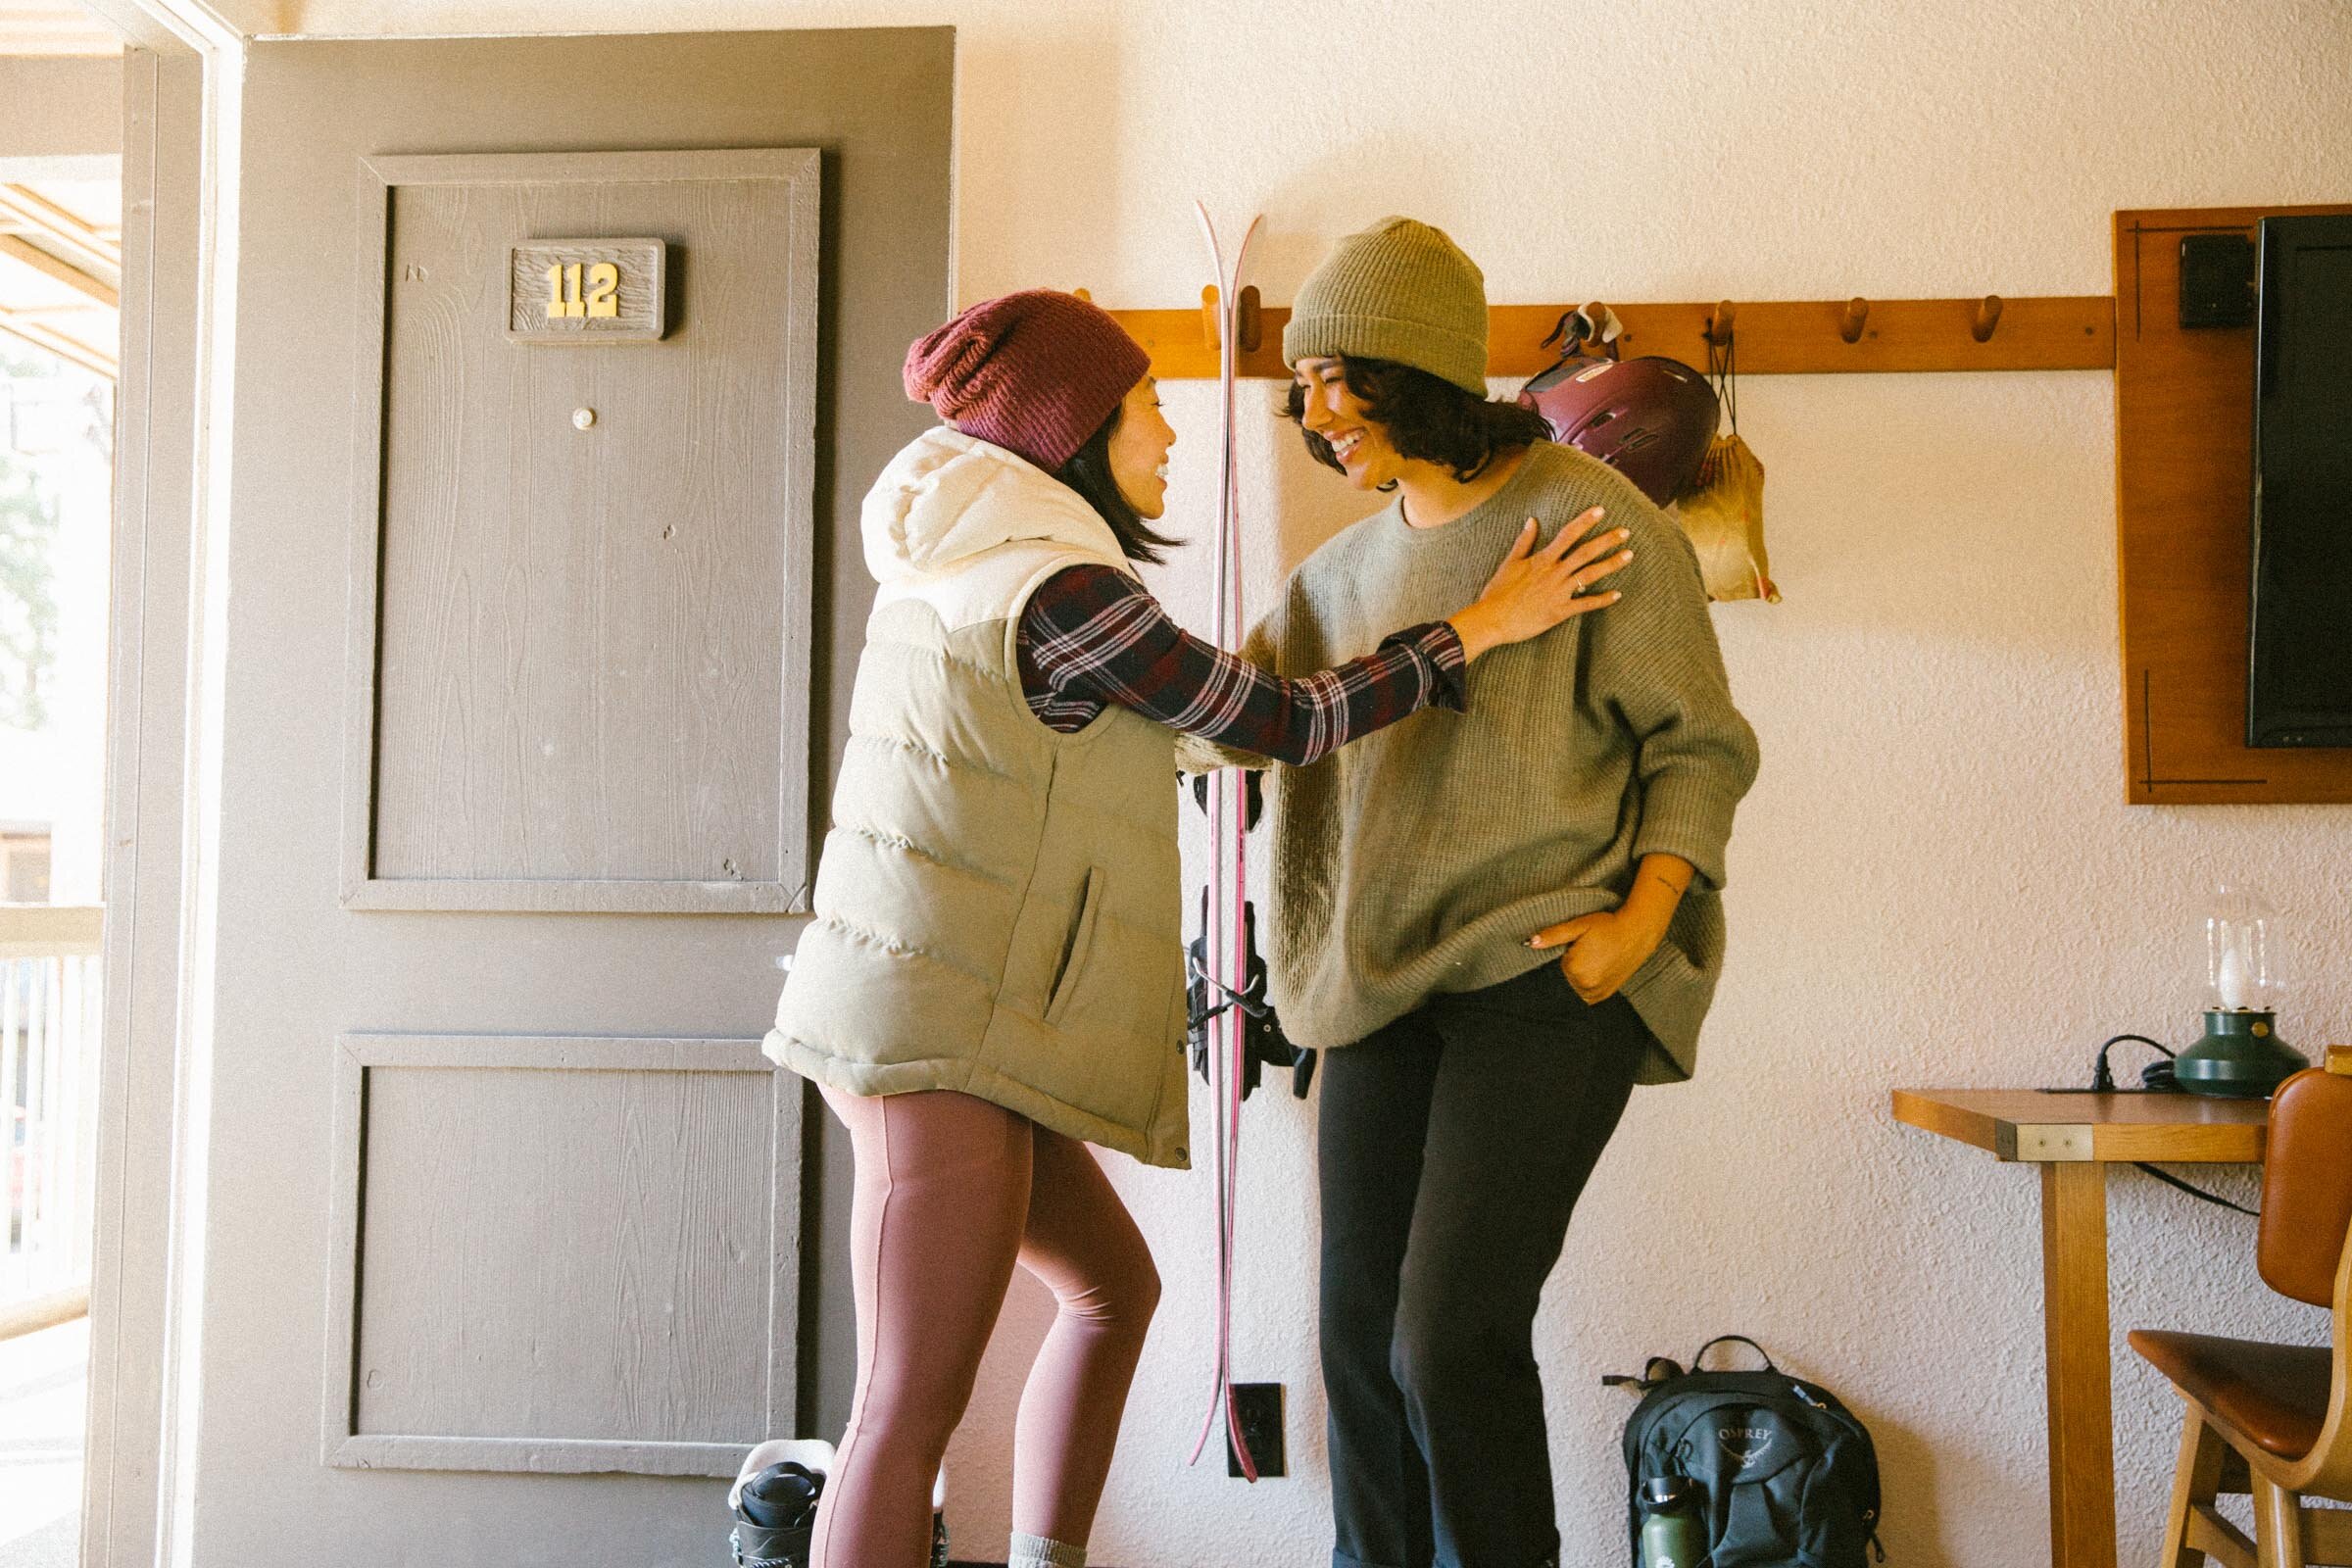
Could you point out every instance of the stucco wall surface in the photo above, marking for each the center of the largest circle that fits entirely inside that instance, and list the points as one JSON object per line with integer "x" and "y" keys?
{"x": 1936, "y": 880}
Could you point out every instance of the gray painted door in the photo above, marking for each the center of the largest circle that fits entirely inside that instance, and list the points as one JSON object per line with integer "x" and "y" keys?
{"x": 532, "y": 655}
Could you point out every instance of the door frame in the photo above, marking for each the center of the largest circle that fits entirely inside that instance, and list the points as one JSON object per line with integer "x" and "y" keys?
{"x": 183, "y": 83}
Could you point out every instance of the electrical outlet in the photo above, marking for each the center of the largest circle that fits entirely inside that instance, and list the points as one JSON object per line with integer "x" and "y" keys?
{"x": 1259, "y": 1407}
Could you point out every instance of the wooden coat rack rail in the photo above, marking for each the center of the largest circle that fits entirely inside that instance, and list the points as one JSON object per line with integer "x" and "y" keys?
{"x": 1772, "y": 337}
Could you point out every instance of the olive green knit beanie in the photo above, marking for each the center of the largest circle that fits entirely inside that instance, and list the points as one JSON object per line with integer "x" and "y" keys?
{"x": 1401, "y": 291}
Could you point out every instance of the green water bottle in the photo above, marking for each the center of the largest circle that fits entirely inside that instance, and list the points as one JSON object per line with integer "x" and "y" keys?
{"x": 1673, "y": 1536}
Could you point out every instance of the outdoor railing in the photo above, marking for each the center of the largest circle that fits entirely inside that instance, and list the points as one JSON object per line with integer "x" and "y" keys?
{"x": 49, "y": 1032}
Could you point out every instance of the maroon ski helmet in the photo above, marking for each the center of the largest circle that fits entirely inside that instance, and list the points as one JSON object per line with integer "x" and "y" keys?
{"x": 1648, "y": 419}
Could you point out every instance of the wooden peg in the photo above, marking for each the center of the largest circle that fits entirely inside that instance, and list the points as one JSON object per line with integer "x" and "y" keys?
{"x": 1989, "y": 317}
{"x": 1210, "y": 336}
{"x": 1596, "y": 316}
{"x": 1249, "y": 328}
{"x": 1086, "y": 294}
{"x": 1720, "y": 322}
{"x": 1857, "y": 314}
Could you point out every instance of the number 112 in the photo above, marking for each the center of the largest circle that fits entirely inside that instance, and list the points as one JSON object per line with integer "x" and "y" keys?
{"x": 565, "y": 301}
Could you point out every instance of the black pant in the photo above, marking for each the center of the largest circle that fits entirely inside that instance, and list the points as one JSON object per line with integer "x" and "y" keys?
{"x": 1453, "y": 1144}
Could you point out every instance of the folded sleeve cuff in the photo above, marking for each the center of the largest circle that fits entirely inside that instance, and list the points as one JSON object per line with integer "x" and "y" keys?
{"x": 1195, "y": 755}
{"x": 1441, "y": 646}
{"x": 1689, "y": 814}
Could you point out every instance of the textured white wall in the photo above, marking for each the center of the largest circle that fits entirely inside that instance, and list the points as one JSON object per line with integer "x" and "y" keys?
{"x": 1936, "y": 880}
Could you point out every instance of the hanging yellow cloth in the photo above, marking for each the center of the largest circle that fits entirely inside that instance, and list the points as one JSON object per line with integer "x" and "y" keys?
{"x": 1722, "y": 511}
{"x": 1723, "y": 516}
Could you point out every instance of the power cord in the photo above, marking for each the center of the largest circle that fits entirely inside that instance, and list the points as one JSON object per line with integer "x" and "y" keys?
{"x": 2157, "y": 1076}
{"x": 2170, "y": 1180}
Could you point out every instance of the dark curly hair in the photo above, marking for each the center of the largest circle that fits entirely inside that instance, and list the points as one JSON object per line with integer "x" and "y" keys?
{"x": 1088, "y": 473}
{"x": 1425, "y": 418}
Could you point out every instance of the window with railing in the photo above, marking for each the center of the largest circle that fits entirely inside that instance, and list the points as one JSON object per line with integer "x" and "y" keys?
{"x": 49, "y": 1032}
{"x": 55, "y": 447}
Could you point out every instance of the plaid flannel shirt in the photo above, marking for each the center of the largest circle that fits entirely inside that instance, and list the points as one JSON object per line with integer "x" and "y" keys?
{"x": 1092, "y": 636}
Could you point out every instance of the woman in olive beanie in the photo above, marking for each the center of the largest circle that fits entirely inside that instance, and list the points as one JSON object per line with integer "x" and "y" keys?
{"x": 994, "y": 978}
{"x": 1508, "y": 919}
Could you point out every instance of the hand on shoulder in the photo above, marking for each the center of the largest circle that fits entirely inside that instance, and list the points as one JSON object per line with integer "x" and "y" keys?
{"x": 1538, "y": 586}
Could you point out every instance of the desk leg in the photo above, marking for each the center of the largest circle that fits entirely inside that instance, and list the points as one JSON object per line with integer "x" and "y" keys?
{"x": 2081, "y": 1391}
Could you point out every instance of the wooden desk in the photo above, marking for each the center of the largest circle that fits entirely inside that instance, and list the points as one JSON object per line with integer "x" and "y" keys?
{"x": 2073, "y": 1138}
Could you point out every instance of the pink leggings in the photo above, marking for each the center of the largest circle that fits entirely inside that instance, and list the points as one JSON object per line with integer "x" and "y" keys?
{"x": 952, "y": 1192}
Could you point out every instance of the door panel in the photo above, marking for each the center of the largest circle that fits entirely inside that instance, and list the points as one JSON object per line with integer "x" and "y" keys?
{"x": 590, "y": 560}
{"x": 552, "y": 1253}
{"x": 518, "y": 1159}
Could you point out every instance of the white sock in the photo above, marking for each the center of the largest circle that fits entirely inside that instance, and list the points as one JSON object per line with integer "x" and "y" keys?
{"x": 1036, "y": 1551}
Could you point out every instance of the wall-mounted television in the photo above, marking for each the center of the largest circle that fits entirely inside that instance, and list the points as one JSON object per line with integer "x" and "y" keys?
{"x": 2299, "y": 675}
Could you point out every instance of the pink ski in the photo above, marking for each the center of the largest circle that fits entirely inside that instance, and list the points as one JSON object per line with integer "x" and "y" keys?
{"x": 1225, "y": 896}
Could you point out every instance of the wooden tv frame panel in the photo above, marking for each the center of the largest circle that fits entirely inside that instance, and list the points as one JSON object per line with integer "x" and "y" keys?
{"x": 2183, "y": 481}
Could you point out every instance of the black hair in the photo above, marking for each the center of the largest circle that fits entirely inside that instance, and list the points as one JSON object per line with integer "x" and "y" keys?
{"x": 1425, "y": 418}
{"x": 1088, "y": 473}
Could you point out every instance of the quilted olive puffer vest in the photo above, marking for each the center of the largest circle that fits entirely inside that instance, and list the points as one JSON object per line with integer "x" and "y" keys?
{"x": 998, "y": 906}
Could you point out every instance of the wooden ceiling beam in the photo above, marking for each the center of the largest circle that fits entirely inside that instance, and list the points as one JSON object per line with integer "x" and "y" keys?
{"x": 72, "y": 351}
{"x": 70, "y": 237}
{"x": 62, "y": 270}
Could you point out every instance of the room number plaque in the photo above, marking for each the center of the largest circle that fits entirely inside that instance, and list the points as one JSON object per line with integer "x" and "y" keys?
{"x": 586, "y": 291}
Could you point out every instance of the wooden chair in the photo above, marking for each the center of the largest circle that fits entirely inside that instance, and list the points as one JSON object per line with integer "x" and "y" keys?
{"x": 2276, "y": 1420}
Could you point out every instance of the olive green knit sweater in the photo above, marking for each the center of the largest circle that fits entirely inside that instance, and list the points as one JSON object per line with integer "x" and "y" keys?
{"x": 1419, "y": 860}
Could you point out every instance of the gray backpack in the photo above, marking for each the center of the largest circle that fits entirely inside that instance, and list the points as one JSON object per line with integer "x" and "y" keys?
{"x": 1787, "y": 1478}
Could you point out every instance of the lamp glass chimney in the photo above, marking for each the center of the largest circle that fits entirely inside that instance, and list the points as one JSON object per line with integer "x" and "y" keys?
{"x": 2239, "y": 931}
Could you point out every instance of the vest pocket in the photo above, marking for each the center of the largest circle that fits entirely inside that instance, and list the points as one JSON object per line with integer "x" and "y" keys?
{"x": 1081, "y": 948}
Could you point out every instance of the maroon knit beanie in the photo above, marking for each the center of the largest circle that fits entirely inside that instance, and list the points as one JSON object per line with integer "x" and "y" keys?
{"x": 1035, "y": 373}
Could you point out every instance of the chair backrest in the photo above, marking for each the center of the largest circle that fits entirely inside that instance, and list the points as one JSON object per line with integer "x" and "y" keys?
{"x": 2307, "y": 1186}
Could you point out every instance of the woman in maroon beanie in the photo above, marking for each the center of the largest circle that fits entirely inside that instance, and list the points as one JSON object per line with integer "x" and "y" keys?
{"x": 993, "y": 979}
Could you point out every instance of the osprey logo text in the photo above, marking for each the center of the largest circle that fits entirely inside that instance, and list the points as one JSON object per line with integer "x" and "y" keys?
{"x": 1747, "y": 1445}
